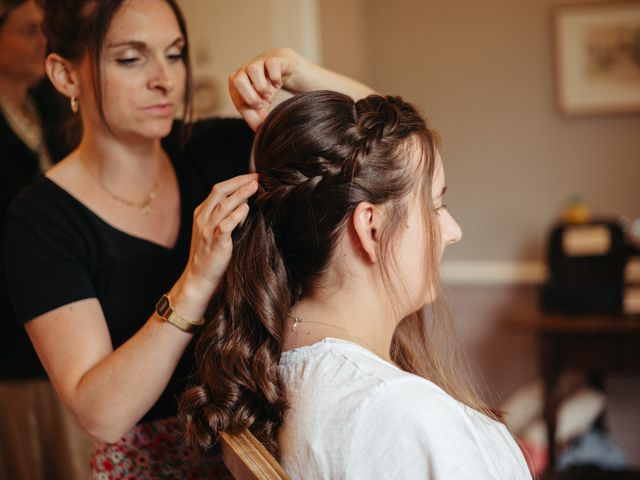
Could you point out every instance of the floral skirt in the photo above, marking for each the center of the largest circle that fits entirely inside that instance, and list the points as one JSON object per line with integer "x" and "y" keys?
{"x": 155, "y": 450}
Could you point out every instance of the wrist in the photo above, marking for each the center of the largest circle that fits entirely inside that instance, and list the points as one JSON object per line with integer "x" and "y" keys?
{"x": 300, "y": 72}
{"x": 190, "y": 297}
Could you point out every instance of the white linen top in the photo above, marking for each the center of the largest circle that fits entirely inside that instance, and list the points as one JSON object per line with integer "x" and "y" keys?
{"x": 355, "y": 416}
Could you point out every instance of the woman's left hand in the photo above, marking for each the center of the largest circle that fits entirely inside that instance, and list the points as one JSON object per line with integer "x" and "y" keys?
{"x": 253, "y": 86}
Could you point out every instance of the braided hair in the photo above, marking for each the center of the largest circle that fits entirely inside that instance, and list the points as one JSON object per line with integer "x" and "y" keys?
{"x": 319, "y": 155}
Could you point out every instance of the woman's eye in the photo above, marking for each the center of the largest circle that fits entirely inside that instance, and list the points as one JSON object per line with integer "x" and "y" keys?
{"x": 127, "y": 62}
{"x": 175, "y": 56}
{"x": 441, "y": 208}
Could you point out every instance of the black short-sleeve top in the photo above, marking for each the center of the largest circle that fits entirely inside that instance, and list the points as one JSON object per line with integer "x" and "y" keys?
{"x": 57, "y": 251}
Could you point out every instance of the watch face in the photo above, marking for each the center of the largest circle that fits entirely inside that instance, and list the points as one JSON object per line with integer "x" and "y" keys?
{"x": 163, "y": 306}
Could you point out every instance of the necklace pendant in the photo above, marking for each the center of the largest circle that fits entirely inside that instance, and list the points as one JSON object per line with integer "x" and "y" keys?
{"x": 146, "y": 210}
{"x": 296, "y": 321}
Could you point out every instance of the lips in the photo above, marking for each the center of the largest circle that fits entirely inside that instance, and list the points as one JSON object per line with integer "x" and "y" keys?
{"x": 160, "y": 109}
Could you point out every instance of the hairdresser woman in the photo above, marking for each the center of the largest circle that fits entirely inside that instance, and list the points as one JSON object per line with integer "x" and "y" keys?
{"x": 109, "y": 266}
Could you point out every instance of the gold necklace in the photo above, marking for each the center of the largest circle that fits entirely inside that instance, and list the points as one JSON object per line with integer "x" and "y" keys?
{"x": 144, "y": 206}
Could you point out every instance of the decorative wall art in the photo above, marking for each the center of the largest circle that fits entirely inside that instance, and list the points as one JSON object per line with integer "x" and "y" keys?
{"x": 597, "y": 57}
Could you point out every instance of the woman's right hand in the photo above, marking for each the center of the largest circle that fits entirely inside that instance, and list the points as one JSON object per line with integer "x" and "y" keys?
{"x": 211, "y": 245}
{"x": 254, "y": 85}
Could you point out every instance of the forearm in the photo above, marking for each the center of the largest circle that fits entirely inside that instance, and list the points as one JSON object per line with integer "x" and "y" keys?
{"x": 253, "y": 86}
{"x": 115, "y": 393}
{"x": 308, "y": 76}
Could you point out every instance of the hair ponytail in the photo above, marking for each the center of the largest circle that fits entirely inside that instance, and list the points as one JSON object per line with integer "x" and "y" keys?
{"x": 238, "y": 351}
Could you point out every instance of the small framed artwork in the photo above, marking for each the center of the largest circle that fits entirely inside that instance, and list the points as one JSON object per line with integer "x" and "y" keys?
{"x": 597, "y": 57}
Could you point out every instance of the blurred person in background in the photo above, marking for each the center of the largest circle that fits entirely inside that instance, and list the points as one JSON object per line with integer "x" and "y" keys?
{"x": 38, "y": 438}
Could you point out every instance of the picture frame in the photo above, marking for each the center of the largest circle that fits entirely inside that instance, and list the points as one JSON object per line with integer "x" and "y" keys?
{"x": 597, "y": 57}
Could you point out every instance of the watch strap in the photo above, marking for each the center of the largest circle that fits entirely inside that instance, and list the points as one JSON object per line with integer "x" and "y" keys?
{"x": 165, "y": 310}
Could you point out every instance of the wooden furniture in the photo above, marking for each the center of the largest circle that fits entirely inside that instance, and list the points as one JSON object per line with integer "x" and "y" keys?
{"x": 247, "y": 459}
{"x": 596, "y": 344}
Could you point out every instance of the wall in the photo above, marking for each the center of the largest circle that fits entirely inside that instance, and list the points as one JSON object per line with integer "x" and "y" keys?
{"x": 344, "y": 37}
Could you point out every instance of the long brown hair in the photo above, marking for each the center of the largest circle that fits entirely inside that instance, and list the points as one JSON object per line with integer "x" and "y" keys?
{"x": 319, "y": 155}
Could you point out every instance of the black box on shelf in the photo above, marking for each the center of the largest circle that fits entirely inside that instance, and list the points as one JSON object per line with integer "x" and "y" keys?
{"x": 586, "y": 265}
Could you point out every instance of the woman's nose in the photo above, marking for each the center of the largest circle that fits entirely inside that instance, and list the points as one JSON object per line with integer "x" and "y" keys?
{"x": 161, "y": 77}
{"x": 452, "y": 231}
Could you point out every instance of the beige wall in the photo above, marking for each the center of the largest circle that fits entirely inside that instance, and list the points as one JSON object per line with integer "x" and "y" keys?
{"x": 344, "y": 37}
{"x": 482, "y": 72}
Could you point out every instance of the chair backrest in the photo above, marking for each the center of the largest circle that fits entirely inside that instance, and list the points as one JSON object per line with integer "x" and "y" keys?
{"x": 247, "y": 459}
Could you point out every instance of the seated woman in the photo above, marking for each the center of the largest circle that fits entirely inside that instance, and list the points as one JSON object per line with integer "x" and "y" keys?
{"x": 315, "y": 344}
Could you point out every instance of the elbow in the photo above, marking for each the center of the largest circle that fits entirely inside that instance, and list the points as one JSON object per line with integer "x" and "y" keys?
{"x": 101, "y": 427}
{"x": 104, "y": 432}
{"x": 102, "y": 422}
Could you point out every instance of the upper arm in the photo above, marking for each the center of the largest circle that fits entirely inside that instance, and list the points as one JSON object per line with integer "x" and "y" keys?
{"x": 51, "y": 288}
{"x": 70, "y": 340}
{"x": 46, "y": 255}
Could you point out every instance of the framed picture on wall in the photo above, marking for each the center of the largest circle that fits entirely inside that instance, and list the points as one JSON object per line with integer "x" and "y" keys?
{"x": 597, "y": 57}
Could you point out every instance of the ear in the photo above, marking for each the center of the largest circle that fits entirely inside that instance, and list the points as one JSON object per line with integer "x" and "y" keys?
{"x": 63, "y": 75}
{"x": 366, "y": 223}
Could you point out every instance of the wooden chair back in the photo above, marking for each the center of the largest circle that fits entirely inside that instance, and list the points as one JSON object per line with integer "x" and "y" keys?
{"x": 247, "y": 459}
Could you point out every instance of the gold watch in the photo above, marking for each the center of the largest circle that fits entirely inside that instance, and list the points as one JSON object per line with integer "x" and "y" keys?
{"x": 165, "y": 310}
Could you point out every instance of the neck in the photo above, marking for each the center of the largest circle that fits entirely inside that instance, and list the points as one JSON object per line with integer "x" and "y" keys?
{"x": 121, "y": 162}
{"x": 362, "y": 317}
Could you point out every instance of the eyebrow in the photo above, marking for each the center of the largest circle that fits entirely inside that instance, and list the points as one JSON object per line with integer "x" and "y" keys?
{"x": 142, "y": 45}
{"x": 444, "y": 190}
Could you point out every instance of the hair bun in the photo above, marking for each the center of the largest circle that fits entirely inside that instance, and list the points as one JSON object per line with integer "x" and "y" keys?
{"x": 378, "y": 116}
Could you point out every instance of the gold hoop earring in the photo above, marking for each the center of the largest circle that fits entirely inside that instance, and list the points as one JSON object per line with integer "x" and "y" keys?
{"x": 75, "y": 104}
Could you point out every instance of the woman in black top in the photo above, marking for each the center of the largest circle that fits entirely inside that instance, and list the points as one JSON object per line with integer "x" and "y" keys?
{"x": 94, "y": 244}
{"x": 24, "y": 151}
{"x": 38, "y": 439}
